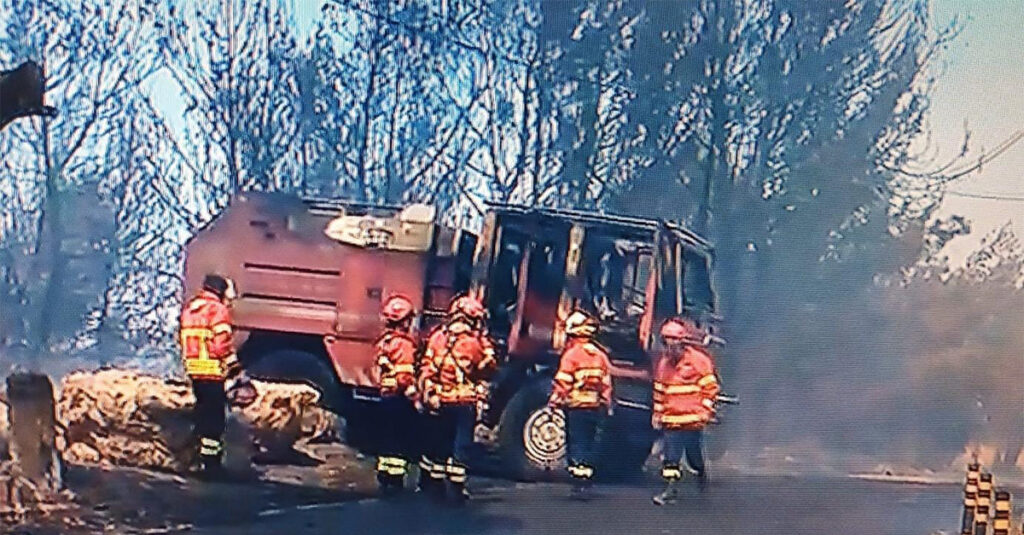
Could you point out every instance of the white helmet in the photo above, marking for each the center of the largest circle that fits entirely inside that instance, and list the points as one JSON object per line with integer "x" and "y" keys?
{"x": 580, "y": 324}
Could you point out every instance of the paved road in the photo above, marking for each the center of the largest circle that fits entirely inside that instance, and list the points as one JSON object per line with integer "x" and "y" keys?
{"x": 735, "y": 505}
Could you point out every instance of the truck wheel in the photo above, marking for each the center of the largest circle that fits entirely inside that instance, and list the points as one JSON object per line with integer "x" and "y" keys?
{"x": 531, "y": 439}
{"x": 297, "y": 366}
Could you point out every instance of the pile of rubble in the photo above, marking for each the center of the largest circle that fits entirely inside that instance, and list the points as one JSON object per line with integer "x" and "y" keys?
{"x": 20, "y": 496}
{"x": 118, "y": 417}
{"x": 122, "y": 418}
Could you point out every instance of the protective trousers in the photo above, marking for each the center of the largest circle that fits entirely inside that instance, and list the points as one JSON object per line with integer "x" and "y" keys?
{"x": 450, "y": 444}
{"x": 582, "y": 426}
{"x": 209, "y": 418}
{"x": 397, "y": 420}
{"x": 432, "y": 456}
{"x": 676, "y": 444}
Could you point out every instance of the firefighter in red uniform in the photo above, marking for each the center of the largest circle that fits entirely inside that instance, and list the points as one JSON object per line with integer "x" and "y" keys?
{"x": 583, "y": 387}
{"x": 396, "y": 360}
{"x": 685, "y": 390}
{"x": 210, "y": 362}
{"x": 459, "y": 358}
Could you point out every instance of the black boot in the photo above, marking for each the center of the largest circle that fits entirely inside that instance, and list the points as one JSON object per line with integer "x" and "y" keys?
{"x": 456, "y": 473}
{"x": 668, "y": 495}
{"x": 211, "y": 468}
{"x": 431, "y": 488}
{"x": 582, "y": 489}
{"x": 458, "y": 494}
{"x": 389, "y": 484}
{"x": 702, "y": 481}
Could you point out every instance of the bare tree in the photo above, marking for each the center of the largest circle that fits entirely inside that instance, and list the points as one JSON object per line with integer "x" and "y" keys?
{"x": 235, "y": 63}
{"x": 93, "y": 53}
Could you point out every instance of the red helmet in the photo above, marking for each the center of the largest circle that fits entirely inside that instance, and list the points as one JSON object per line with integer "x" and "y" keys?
{"x": 466, "y": 306}
{"x": 397, "y": 308}
{"x": 682, "y": 330}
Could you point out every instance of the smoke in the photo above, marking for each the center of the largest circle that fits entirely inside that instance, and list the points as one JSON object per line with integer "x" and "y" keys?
{"x": 849, "y": 372}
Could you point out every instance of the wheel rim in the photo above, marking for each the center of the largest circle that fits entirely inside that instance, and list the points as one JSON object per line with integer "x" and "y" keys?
{"x": 544, "y": 438}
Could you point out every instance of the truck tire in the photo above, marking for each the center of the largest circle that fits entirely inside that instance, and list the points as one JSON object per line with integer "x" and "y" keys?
{"x": 298, "y": 366}
{"x": 531, "y": 439}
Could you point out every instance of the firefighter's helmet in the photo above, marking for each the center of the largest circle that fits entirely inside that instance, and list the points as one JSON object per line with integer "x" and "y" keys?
{"x": 466, "y": 307}
{"x": 231, "y": 293}
{"x": 682, "y": 330}
{"x": 397, "y": 308}
{"x": 580, "y": 324}
{"x": 221, "y": 286}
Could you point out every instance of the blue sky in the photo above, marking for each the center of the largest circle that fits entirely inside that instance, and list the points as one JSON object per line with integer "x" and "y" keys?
{"x": 984, "y": 86}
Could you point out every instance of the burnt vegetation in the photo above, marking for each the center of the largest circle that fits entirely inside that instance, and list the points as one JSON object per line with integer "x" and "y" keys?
{"x": 779, "y": 129}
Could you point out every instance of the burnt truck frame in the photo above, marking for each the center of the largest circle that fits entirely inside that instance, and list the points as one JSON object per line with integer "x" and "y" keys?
{"x": 308, "y": 308}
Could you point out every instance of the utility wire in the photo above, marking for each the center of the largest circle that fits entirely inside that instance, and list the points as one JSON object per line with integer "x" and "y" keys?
{"x": 1005, "y": 145}
{"x": 986, "y": 196}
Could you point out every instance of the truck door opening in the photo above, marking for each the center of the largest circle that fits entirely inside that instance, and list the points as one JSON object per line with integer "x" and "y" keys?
{"x": 615, "y": 273}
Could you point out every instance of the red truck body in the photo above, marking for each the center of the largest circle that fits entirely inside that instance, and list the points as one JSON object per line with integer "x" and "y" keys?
{"x": 306, "y": 297}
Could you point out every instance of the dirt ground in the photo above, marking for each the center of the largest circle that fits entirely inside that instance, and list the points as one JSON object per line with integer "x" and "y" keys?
{"x": 133, "y": 501}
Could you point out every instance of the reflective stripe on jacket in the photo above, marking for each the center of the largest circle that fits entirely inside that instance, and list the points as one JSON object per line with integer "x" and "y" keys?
{"x": 396, "y": 362}
{"x": 583, "y": 379}
{"x": 206, "y": 338}
{"x": 457, "y": 361}
{"x": 685, "y": 387}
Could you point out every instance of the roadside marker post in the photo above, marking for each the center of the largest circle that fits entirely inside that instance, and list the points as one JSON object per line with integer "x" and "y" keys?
{"x": 1001, "y": 520}
{"x": 970, "y": 499}
{"x": 984, "y": 505}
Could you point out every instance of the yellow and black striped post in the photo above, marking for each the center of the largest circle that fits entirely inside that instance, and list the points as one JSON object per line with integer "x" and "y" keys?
{"x": 984, "y": 505}
{"x": 970, "y": 499}
{"x": 1001, "y": 520}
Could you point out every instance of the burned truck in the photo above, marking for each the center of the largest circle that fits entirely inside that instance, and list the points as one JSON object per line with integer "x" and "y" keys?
{"x": 312, "y": 274}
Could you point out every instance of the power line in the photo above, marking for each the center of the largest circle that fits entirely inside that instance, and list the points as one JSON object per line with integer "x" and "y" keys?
{"x": 986, "y": 196}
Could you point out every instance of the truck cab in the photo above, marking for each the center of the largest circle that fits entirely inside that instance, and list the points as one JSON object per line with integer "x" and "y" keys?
{"x": 532, "y": 267}
{"x": 312, "y": 274}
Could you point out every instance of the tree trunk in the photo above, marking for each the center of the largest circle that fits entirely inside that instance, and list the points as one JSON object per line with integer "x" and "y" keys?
{"x": 34, "y": 475}
{"x": 33, "y": 430}
{"x": 51, "y": 234}
{"x": 394, "y": 185}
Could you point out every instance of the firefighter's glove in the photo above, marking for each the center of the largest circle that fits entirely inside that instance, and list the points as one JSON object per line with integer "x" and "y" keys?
{"x": 233, "y": 367}
{"x": 235, "y": 379}
{"x": 241, "y": 392}
{"x": 433, "y": 401}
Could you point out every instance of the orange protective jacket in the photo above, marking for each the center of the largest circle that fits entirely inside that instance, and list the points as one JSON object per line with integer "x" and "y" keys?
{"x": 583, "y": 379}
{"x": 685, "y": 388}
{"x": 455, "y": 365}
{"x": 206, "y": 336}
{"x": 396, "y": 362}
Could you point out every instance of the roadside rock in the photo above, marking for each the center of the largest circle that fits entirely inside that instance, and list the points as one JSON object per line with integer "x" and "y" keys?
{"x": 118, "y": 417}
